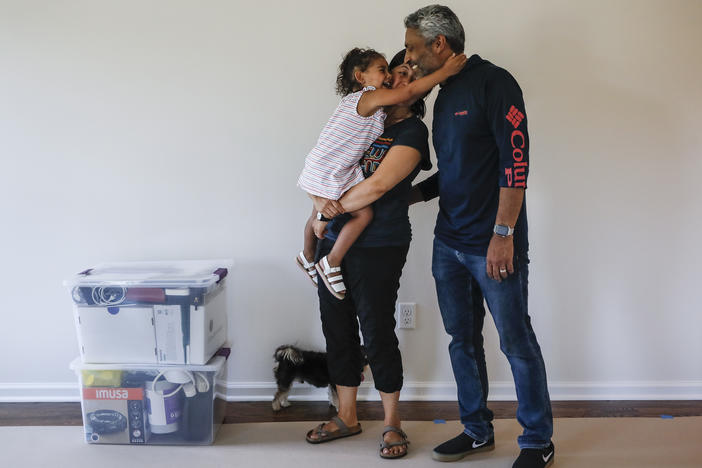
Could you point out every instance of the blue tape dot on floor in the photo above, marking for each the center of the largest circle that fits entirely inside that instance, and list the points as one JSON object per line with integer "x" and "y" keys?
{"x": 666, "y": 416}
{"x": 439, "y": 421}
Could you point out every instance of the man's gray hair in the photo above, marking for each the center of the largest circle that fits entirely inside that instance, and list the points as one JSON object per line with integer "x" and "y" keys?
{"x": 433, "y": 20}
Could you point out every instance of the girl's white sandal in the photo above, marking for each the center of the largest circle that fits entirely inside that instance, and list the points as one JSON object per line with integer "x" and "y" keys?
{"x": 335, "y": 283}
{"x": 307, "y": 267}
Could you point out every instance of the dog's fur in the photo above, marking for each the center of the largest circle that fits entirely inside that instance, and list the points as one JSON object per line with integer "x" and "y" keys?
{"x": 293, "y": 363}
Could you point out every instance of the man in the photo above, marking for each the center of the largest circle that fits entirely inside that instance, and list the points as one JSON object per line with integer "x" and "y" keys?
{"x": 482, "y": 148}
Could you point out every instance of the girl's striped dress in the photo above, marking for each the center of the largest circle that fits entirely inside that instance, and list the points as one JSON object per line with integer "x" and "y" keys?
{"x": 332, "y": 167}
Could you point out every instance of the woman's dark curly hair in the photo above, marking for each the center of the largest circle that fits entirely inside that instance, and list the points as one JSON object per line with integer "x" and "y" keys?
{"x": 355, "y": 59}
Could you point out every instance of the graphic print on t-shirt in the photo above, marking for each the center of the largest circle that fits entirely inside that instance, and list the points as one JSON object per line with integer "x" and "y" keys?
{"x": 374, "y": 155}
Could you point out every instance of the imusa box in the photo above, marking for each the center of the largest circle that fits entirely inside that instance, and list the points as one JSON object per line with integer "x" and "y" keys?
{"x": 146, "y": 404}
{"x": 150, "y": 312}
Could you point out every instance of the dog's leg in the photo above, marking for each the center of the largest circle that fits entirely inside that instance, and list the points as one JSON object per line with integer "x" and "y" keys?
{"x": 280, "y": 400}
{"x": 284, "y": 379}
{"x": 284, "y": 399}
{"x": 333, "y": 396}
{"x": 284, "y": 375}
{"x": 276, "y": 401}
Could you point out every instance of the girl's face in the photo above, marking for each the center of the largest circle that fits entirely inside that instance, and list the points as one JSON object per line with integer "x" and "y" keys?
{"x": 376, "y": 74}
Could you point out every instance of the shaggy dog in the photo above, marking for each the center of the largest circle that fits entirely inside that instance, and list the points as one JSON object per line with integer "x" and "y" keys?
{"x": 293, "y": 363}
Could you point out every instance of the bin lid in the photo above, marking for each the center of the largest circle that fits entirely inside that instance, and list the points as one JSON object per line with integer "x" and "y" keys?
{"x": 214, "y": 364}
{"x": 171, "y": 274}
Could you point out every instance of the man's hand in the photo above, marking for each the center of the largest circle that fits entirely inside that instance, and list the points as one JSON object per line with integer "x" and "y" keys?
{"x": 320, "y": 228}
{"x": 329, "y": 208}
{"x": 499, "y": 257}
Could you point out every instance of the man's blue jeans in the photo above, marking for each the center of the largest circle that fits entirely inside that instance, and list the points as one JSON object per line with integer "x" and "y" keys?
{"x": 456, "y": 273}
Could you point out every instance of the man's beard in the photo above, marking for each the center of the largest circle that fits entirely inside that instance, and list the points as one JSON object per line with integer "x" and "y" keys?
{"x": 421, "y": 67}
{"x": 418, "y": 72}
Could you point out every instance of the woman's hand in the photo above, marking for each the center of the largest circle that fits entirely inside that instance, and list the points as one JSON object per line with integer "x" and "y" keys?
{"x": 329, "y": 208}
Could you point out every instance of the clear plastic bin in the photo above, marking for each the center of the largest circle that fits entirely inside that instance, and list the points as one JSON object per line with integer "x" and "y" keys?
{"x": 151, "y": 312}
{"x": 152, "y": 405}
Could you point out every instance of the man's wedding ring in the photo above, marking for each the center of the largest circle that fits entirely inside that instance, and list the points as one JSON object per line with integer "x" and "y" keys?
{"x": 503, "y": 270}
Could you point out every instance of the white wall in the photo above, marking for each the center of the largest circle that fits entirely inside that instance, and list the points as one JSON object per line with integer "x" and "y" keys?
{"x": 176, "y": 130}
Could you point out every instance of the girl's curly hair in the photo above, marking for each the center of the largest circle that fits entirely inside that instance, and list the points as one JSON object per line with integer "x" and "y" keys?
{"x": 355, "y": 59}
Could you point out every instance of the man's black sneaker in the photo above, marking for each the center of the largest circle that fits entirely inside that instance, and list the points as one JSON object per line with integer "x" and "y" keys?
{"x": 535, "y": 458}
{"x": 460, "y": 446}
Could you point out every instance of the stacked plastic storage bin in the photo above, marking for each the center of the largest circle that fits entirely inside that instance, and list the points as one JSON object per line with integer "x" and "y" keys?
{"x": 152, "y": 361}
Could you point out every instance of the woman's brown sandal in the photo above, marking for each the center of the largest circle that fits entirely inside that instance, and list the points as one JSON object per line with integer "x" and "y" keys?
{"x": 327, "y": 436}
{"x": 388, "y": 445}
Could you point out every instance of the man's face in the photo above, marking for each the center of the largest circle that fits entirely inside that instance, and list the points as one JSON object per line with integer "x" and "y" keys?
{"x": 420, "y": 54}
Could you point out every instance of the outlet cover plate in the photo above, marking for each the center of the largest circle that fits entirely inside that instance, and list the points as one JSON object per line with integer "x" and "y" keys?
{"x": 406, "y": 315}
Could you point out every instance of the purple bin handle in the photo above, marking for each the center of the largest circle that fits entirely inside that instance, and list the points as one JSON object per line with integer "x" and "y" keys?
{"x": 222, "y": 273}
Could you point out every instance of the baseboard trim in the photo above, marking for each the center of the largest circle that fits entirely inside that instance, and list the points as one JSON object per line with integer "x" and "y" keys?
{"x": 39, "y": 392}
{"x": 411, "y": 391}
{"x": 499, "y": 391}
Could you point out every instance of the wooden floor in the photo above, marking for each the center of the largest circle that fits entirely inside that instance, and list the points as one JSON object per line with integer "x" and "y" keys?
{"x": 69, "y": 414}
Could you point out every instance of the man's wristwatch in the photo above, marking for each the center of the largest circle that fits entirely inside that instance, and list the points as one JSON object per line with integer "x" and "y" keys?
{"x": 503, "y": 230}
{"x": 321, "y": 217}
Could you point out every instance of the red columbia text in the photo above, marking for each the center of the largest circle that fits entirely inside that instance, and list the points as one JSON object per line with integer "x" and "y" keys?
{"x": 516, "y": 175}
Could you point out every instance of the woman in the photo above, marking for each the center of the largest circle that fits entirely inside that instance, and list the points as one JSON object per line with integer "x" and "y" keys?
{"x": 372, "y": 270}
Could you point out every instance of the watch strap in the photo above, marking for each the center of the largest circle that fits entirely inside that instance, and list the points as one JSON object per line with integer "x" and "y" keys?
{"x": 503, "y": 230}
{"x": 321, "y": 217}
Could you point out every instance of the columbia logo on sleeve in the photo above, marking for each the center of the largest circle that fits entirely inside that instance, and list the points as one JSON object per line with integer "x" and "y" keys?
{"x": 514, "y": 116}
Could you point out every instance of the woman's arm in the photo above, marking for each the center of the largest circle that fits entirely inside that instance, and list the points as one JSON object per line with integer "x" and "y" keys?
{"x": 397, "y": 164}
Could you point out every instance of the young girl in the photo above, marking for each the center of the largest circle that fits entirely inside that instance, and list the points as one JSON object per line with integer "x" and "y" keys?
{"x": 332, "y": 167}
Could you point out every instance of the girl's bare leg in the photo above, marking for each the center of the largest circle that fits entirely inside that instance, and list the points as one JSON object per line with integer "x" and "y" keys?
{"x": 360, "y": 219}
{"x": 310, "y": 240}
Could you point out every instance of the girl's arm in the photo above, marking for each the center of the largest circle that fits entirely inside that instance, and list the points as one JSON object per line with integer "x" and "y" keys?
{"x": 371, "y": 101}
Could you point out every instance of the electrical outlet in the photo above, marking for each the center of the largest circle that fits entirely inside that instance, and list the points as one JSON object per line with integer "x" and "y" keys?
{"x": 406, "y": 314}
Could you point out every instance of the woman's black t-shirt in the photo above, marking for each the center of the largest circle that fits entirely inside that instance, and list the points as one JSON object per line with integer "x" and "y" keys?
{"x": 390, "y": 225}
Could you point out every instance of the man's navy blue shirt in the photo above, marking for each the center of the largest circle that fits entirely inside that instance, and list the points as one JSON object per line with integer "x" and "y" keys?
{"x": 481, "y": 142}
